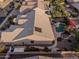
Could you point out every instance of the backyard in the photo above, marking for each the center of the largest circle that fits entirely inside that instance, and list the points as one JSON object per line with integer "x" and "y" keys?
{"x": 65, "y": 25}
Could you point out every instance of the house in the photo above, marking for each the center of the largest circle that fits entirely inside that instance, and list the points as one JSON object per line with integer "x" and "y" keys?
{"x": 34, "y": 28}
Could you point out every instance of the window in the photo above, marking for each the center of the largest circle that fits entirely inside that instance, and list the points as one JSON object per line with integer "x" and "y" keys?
{"x": 38, "y": 29}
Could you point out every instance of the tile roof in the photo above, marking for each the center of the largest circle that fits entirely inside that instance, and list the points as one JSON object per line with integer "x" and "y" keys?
{"x": 35, "y": 18}
{"x": 4, "y": 3}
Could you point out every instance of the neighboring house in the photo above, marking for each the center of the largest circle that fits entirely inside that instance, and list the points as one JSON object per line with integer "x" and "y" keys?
{"x": 32, "y": 57}
{"x": 5, "y": 7}
{"x": 42, "y": 55}
{"x": 73, "y": 3}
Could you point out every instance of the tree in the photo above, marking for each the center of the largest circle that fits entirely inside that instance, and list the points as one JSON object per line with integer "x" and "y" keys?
{"x": 17, "y": 5}
{"x": 58, "y": 9}
{"x": 2, "y": 48}
{"x": 75, "y": 46}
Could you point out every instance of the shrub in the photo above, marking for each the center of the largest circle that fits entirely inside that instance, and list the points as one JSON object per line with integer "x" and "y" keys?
{"x": 46, "y": 49}
{"x": 2, "y": 49}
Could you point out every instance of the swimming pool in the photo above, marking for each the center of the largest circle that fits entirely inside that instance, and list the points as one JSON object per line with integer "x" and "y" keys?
{"x": 2, "y": 19}
{"x": 61, "y": 28}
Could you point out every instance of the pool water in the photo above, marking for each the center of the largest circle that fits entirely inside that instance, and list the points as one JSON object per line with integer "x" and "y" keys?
{"x": 61, "y": 28}
{"x": 1, "y": 19}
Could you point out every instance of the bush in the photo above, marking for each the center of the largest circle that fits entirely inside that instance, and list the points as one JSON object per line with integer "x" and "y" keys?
{"x": 3, "y": 28}
{"x": 74, "y": 13}
{"x": 17, "y": 5}
{"x": 65, "y": 49}
{"x": 46, "y": 49}
{"x": 3, "y": 49}
{"x": 75, "y": 46}
{"x": 77, "y": 35}
{"x": 11, "y": 20}
{"x": 31, "y": 49}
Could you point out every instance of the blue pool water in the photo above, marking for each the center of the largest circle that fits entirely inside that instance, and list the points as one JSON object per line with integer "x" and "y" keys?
{"x": 60, "y": 28}
{"x": 1, "y": 19}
